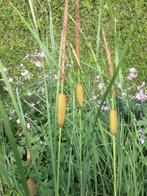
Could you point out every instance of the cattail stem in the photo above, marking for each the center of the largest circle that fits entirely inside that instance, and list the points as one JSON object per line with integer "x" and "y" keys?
{"x": 114, "y": 164}
{"x": 113, "y": 101}
{"x": 58, "y": 163}
{"x": 62, "y": 98}
{"x": 79, "y": 75}
{"x": 62, "y": 85}
{"x": 79, "y": 88}
{"x": 108, "y": 55}
{"x": 81, "y": 152}
{"x": 31, "y": 187}
{"x": 113, "y": 114}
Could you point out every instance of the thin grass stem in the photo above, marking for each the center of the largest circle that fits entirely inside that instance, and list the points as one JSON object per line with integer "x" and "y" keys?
{"x": 58, "y": 163}
{"x": 81, "y": 152}
{"x": 114, "y": 164}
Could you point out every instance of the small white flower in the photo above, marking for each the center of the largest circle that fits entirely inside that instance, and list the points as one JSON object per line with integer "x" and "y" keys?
{"x": 41, "y": 54}
{"x": 142, "y": 135}
{"x": 69, "y": 65}
{"x": 20, "y": 134}
{"x": 55, "y": 76}
{"x": 41, "y": 142}
{"x": 105, "y": 107}
{"x": 133, "y": 73}
{"x": 28, "y": 125}
{"x": 97, "y": 78}
{"x": 29, "y": 93}
{"x": 100, "y": 86}
{"x": 5, "y": 69}
{"x": 32, "y": 104}
{"x": 10, "y": 79}
{"x": 38, "y": 63}
{"x": 94, "y": 97}
{"x": 25, "y": 73}
{"x": 18, "y": 121}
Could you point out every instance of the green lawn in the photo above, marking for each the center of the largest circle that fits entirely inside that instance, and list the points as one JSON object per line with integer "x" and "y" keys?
{"x": 16, "y": 41}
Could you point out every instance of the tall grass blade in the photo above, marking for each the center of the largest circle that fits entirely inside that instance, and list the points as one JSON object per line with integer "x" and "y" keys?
{"x": 13, "y": 144}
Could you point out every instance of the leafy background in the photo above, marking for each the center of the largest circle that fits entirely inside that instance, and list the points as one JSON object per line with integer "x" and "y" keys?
{"x": 16, "y": 41}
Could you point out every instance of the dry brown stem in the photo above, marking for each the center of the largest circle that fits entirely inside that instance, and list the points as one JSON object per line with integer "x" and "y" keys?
{"x": 108, "y": 54}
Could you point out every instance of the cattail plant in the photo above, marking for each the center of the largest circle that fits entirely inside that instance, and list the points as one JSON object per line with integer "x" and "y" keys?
{"x": 79, "y": 87}
{"x": 61, "y": 109}
{"x": 31, "y": 186}
{"x": 79, "y": 94}
{"x": 113, "y": 113}
{"x": 61, "y": 96}
{"x": 113, "y": 121}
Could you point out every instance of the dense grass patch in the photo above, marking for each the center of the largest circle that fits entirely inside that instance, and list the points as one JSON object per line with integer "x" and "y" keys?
{"x": 16, "y": 41}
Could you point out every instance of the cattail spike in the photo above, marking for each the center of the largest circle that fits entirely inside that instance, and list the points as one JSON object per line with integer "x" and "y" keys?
{"x": 108, "y": 55}
{"x": 31, "y": 186}
{"x": 64, "y": 33}
{"x": 77, "y": 32}
{"x": 79, "y": 94}
{"x": 113, "y": 121}
{"x": 61, "y": 109}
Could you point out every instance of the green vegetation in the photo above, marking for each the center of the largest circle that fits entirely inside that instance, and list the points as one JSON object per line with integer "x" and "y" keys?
{"x": 16, "y": 41}
{"x": 87, "y": 154}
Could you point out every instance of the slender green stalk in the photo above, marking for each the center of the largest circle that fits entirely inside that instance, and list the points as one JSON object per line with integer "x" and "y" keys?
{"x": 33, "y": 14}
{"x": 69, "y": 166}
{"x": 50, "y": 131}
{"x": 58, "y": 163}
{"x": 114, "y": 164}
{"x": 81, "y": 152}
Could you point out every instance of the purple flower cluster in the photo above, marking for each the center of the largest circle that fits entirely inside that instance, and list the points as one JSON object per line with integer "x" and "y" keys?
{"x": 133, "y": 73}
{"x": 101, "y": 85}
{"x": 141, "y": 95}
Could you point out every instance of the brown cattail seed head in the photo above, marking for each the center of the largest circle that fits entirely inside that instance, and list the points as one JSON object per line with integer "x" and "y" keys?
{"x": 61, "y": 109}
{"x": 31, "y": 186}
{"x": 113, "y": 121}
{"x": 79, "y": 94}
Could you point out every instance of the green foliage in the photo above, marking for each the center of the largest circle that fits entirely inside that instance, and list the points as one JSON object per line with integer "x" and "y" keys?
{"x": 16, "y": 41}
{"x": 80, "y": 157}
